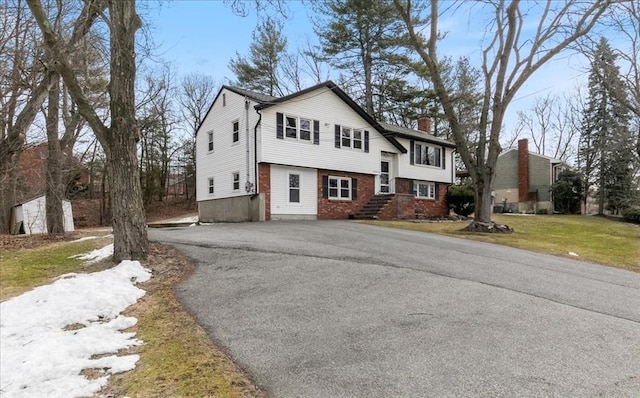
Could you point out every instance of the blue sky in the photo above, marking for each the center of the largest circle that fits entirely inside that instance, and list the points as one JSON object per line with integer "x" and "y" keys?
{"x": 204, "y": 35}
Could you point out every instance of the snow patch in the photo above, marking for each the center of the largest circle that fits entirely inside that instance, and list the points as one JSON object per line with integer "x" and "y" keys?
{"x": 41, "y": 358}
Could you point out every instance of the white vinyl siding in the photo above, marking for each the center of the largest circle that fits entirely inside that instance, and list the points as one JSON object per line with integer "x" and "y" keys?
{"x": 281, "y": 191}
{"x": 329, "y": 110}
{"x": 226, "y": 157}
{"x": 424, "y": 173}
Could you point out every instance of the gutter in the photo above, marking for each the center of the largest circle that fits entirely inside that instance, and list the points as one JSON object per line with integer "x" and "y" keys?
{"x": 255, "y": 149}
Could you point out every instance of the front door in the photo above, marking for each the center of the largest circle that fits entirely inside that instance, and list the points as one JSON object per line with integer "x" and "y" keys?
{"x": 384, "y": 177}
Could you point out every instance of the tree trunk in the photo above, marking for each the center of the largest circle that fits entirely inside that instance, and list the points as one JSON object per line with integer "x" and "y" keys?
{"x": 54, "y": 186}
{"x": 129, "y": 224}
{"x": 483, "y": 200}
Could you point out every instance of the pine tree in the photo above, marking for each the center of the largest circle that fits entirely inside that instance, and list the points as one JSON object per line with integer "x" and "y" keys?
{"x": 606, "y": 144}
{"x": 363, "y": 39}
{"x": 260, "y": 71}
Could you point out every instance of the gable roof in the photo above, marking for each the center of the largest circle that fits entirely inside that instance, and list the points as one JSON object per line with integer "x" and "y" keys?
{"x": 388, "y": 131}
{"x": 549, "y": 158}
{"x": 252, "y": 95}
{"x": 258, "y": 97}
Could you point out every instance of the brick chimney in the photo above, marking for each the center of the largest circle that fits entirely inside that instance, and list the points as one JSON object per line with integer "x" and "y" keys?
{"x": 424, "y": 124}
{"x": 523, "y": 170}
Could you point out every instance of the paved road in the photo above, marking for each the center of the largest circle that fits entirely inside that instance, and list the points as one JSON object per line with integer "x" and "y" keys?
{"x": 340, "y": 309}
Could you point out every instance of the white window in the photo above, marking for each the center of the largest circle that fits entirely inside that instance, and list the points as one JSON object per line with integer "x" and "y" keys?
{"x": 340, "y": 188}
{"x": 291, "y": 127}
{"x": 297, "y": 128}
{"x": 351, "y": 138}
{"x": 305, "y": 129}
{"x": 357, "y": 139}
{"x": 211, "y": 186}
{"x": 236, "y": 131}
{"x": 423, "y": 189}
{"x": 210, "y": 137}
{"x": 236, "y": 181}
{"x": 428, "y": 155}
{"x": 294, "y": 188}
{"x": 346, "y": 137}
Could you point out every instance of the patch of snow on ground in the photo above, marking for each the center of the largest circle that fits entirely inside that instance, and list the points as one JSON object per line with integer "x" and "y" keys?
{"x": 97, "y": 254}
{"x": 192, "y": 219}
{"x": 39, "y": 358}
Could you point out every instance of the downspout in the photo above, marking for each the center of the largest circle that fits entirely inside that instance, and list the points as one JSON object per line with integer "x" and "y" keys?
{"x": 248, "y": 187}
{"x": 255, "y": 149}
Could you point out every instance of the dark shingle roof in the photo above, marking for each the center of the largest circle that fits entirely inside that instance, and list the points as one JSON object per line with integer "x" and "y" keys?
{"x": 258, "y": 97}
{"x": 415, "y": 135}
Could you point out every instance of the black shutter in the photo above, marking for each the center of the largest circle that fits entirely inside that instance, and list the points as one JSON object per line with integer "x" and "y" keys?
{"x": 325, "y": 187}
{"x": 437, "y": 191}
{"x": 412, "y": 152}
{"x": 279, "y": 126}
{"x": 366, "y": 141}
{"x": 316, "y": 132}
{"x": 444, "y": 157}
{"x": 411, "y": 187}
{"x": 354, "y": 188}
{"x": 337, "y": 136}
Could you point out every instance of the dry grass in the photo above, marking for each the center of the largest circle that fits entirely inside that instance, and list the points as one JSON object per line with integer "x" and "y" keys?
{"x": 177, "y": 358}
{"x": 23, "y": 269}
{"x": 595, "y": 239}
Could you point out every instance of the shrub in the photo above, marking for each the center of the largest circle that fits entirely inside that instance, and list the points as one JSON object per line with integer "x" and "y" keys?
{"x": 632, "y": 215}
{"x": 461, "y": 199}
{"x": 542, "y": 211}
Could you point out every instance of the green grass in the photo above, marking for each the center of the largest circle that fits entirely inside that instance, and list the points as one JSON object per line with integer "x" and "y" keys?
{"x": 595, "y": 239}
{"x": 21, "y": 270}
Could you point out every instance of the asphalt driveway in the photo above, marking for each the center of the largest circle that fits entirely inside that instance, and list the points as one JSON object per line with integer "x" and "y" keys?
{"x": 340, "y": 309}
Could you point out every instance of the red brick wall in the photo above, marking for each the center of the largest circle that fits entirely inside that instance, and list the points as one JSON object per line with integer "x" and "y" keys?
{"x": 341, "y": 209}
{"x": 404, "y": 204}
{"x": 264, "y": 186}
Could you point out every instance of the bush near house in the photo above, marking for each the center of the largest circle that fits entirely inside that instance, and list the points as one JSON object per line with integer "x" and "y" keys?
{"x": 632, "y": 215}
{"x": 461, "y": 199}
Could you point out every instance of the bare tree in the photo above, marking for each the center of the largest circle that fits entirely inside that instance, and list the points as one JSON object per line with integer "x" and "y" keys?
{"x": 509, "y": 59}
{"x": 196, "y": 94}
{"x": 25, "y": 87}
{"x": 119, "y": 140}
{"x": 552, "y": 124}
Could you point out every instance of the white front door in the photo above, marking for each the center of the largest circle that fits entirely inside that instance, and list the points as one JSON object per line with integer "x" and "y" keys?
{"x": 386, "y": 178}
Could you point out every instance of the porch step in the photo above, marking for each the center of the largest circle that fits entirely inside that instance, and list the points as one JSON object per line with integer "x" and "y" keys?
{"x": 372, "y": 209}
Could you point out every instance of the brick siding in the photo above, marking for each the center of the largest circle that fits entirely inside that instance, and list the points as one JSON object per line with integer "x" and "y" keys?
{"x": 342, "y": 209}
{"x": 264, "y": 186}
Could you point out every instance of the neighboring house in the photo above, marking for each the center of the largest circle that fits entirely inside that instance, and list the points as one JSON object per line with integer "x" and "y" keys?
{"x": 314, "y": 154}
{"x": 30, "y": 217}
{"x": 523, "y": 180}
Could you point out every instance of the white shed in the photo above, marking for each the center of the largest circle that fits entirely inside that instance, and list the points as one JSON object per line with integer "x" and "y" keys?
{"x": 30, "y": 217}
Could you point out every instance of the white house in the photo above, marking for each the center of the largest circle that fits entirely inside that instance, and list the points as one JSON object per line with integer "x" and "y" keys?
{"x": 314, "y": 154}
{"x": 30, "y": 217}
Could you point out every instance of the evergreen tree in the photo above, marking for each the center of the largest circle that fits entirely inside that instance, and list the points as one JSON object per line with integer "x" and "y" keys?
{"x": 606, "y": 144}
{"x": 260, "y": 71}
{"x": 363, "y": 39}
{"x": 567, "y": 192}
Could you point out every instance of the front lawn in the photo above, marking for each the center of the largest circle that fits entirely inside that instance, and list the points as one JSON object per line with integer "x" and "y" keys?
{"x": 595, "y": 239}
